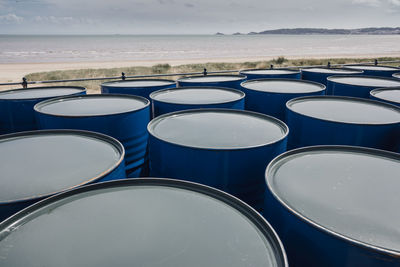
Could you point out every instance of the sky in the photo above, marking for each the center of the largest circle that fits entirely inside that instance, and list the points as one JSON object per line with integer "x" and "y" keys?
{"x": 190, "y": 16}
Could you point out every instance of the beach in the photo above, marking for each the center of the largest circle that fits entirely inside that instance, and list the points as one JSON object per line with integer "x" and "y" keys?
{"x": 14, "y": 72}
{"x": 23, "y": 55}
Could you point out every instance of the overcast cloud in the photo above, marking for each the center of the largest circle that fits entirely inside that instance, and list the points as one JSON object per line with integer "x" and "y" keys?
{"x": 190, "y": 17}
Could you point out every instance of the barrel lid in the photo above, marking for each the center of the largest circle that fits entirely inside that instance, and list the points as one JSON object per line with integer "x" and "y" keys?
{"x": 349, "y": 192}
{"x": 41, "y": 163}
{"x": 331, "y": 70}
{"x": 269, "y": 71}
{"x": 139, "y": 83}
{"x": 396, "y": 75}
{"x": 148, "y": 222}
{"x": 372, "y": 67}
{"x": 197, "y": 95}
{"x": 92, "y": 105}
{"x": 220, "y": 129}
{"x": 212, "y": 78}
{"x": 367, "y": 81}
{"x": 40, "y": 92}
{"x": 388, "y": 94}
{"x": 287, "y": 86}
{"x": 350, "y": 110}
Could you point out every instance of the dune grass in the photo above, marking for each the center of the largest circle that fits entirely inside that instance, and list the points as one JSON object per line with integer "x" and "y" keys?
{"x": 94, "y": 86}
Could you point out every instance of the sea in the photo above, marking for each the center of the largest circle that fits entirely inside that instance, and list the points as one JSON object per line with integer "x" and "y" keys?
{"x": 83, "y": 48}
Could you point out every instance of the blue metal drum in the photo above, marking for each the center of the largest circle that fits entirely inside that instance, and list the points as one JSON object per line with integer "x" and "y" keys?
{"x": 123, "y": 117}
{"x": 38, "y": 164}
{"x": 396, "y": 75}
{"x": 358, "y": 86}
{"x": 223, "y": 148}
{"x": 333, "y": 120}
{"x": 139, "y": 87}
{"x": 253, "y": 74}
{"x": 375, "y": 70}
{"x": 170, "y": 100}
{"x": 140, "y": 222}
{"x": 335, "y": 206}
{"x": 229, "y": 81}
{"x": 388, "y": 95}
{"x": 269, "y": 96}
{"x": 320, "y": 75}
{"x": 16, "y": 106}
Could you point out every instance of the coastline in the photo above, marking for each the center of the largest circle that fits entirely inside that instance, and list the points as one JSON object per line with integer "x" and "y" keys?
{"x": 13, "y": 72}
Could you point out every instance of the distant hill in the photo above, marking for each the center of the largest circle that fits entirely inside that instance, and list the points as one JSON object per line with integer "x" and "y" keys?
{"x": 383, "y": 30}
{"x": 301, "y": 31}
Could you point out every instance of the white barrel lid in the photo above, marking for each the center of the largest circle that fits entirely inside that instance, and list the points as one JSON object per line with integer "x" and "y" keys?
{"x": 139, "y": 83}
{"x": 388, "y": 94}
{"x": 345, "y": 110}
{"x": 366, "y": 81}
{"x": 269, "y": 71}
{"x": 218, "y": 129}
{"x": 212, "y": 78}
{"x": 141, "y": 222}
{"x": 40, "y": 92}
{"x": 331, "y": 70}
{"x": 350, "y": 192}
{"x": 41, "y": 163}
{"x": 197, "y": 95}
{"x": 372, "y": 67}
{"x": 283, "y": 86}
{"x": 92, "y": 105}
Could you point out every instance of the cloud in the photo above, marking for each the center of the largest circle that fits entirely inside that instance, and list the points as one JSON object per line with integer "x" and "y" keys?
{"x": 395, "y": 2}
{"x": 189, "y": 5}
{"x": 370, "y": 3}
{"x": 11, "y": 19}
{"x": 62, "y": 20}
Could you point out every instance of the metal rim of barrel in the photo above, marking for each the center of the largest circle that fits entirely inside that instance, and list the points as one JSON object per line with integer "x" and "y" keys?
{"x": 284, "y": 127}
{"x": 153, "y": 94}
{"x": 322, "y": 86}
{"x": 259, "y": 221}
{"x": 85, "y": 133}
{"x": 348, "y": 98}
{"x": 189, "y": 78}
{"x": 366, "y": 77}
{"x": 82, "y": 89}
{"x": 290, "y": 71}
{"x": 344, "y": 69}
{"x": 110, "y": 83}
{"x": 353, "y": 66}
{"x": 270, "y": 169}
{"x": 376, "y": 91}
{"x": 41, "y": 104}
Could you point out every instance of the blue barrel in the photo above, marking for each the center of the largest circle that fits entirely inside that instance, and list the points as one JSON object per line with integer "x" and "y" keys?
{"x": 170, "y": 100}
{"x": 358, "y": 86}
{"x": 253, "y": 74}
{"x": 320, "y": 75}
{"x": 388, "y": 95}
{"x": 230, "y": 81}
{"x": 140, "y": 222}
{"x": 336, "y": 206}
{"x": 139, "y": 87}
{"x": 269, "y": 96}
{"x": 396, "y": 75}
{"x": 38, "y": 164}
{"x": 123, "y": 117}
{"x": 16, "y": 106}
{"x": 223, "y": 148}
{"x": 333, "y": 120}
{"x": 375, "y": 70}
